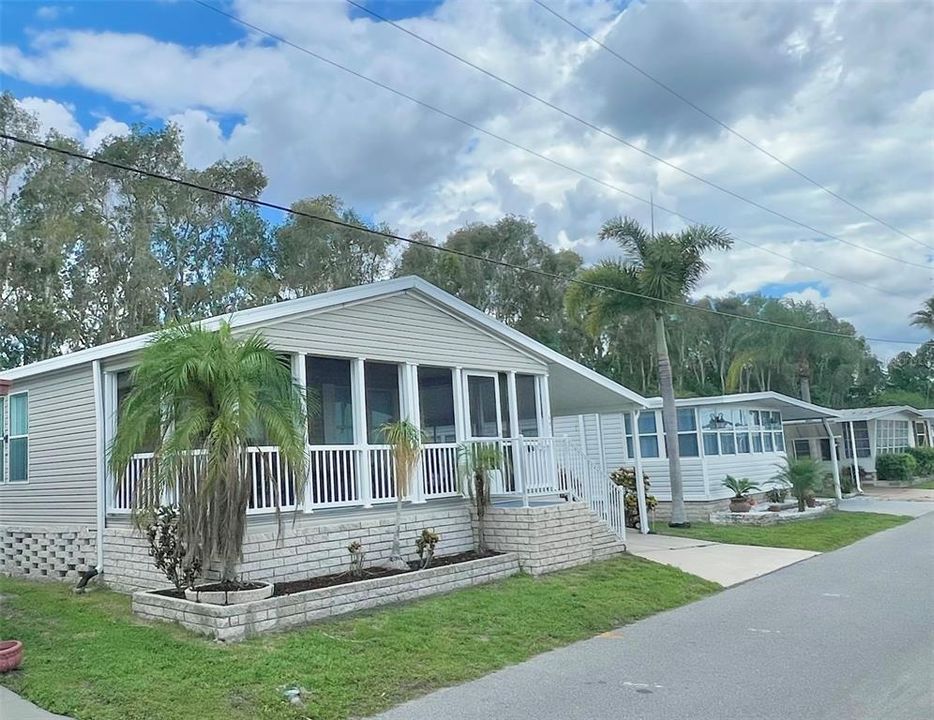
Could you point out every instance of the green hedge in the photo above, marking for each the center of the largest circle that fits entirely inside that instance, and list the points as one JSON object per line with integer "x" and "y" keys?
{"x": 896, "y": 467}
{"x": 924, "y": 457}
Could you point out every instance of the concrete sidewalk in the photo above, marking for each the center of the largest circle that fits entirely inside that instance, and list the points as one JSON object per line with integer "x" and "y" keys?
{"x": 13, "y": 707}
{"x": 722, "y": 563}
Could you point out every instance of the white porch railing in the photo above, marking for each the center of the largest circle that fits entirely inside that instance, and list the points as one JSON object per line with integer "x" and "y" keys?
{"x": 355, "y": 475}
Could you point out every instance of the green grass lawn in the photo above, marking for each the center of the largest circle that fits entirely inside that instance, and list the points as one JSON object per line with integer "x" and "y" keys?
{"x": 926, "y": 485}
{"x": 89, "y": 657}
{"x": 822, "y": 535}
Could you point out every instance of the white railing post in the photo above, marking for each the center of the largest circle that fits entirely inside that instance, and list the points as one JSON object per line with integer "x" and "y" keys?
{"x": 358, "y": 404}
{"x": 518, "y": 464}
{"x": 640, "y": 482}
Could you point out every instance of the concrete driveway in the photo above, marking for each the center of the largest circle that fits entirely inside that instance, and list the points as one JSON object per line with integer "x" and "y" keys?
{"x": 847, "y": 634}
{"x": 13, "y": 707}
{"x": 892, "y": 501}
{"x": 724, "y": 564}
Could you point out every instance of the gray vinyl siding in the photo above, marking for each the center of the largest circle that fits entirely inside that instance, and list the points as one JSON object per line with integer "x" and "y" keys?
{"x": 399, "y": 328}
{"x": 62, "y": 484}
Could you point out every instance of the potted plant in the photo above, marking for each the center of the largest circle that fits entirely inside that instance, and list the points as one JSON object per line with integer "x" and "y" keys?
{"x": 801, "y": 476}
{"x": 11, "y": 655}
{"x": 741, "y": 489}
{"x": 207, "y": 400}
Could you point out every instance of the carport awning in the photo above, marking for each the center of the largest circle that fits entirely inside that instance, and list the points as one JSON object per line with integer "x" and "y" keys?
{"x": 576, "y": 390}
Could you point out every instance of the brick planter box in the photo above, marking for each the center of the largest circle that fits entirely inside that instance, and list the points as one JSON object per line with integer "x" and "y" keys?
{"x": 237, "y": 622}
{"x": 772, "y": 518}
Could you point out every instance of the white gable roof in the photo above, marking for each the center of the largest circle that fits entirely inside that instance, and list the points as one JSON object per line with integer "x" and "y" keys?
{"x": 874, "y": 413}
{"x": 574, "y": 387}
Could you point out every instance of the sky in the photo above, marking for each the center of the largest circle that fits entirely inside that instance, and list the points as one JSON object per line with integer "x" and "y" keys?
{"x": 844, "y": 92}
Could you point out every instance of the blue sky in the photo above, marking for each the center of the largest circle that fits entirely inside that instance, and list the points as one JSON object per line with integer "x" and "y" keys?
{"x": 810, "y": 82}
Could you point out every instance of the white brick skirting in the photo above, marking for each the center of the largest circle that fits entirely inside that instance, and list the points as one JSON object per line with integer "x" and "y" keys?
{"x": 55, "y": 553}
{"x": 552, "y": 537}
{"x": 236, "y": 622}
{"x": 308, "y": 548}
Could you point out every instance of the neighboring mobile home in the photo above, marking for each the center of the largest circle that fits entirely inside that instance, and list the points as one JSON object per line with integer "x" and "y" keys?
{"x": 740, "y": 435}
{"x": 864, "y": 433}
{"x": 399, "y": 348}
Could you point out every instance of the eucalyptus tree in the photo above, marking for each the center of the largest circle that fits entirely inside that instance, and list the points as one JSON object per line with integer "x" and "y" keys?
{"x": 655, "y": 271}
{"x": 202, "y": 400}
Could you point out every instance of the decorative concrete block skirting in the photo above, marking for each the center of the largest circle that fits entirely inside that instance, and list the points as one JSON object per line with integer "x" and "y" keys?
{"x": 53, "y": 553}
{"x": 237, "y": 622}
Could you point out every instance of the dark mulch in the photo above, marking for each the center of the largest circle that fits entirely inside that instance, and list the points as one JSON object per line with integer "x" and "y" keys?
{"x": 323, "y": 581}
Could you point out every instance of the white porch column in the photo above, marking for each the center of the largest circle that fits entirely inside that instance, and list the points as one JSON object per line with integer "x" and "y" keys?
{"x": 518, "y": 466}
{"x": 358, "y": 396}
{"x": 412, "y": 412}
{"x": 640, "y": 482}
{"x": 859, "y": 485}
{"x": 299, "y": 374}
{"x": 460, "y": 406}
{"x": 100, "y": 450}
{"x": 545, "y": 396}
{"x": 835, "y": 462}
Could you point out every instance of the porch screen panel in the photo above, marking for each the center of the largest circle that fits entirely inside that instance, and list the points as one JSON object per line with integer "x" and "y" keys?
{"x": 481, "y": 394}
{"x": 436, "y": 404}
{"x": 382, "y": 398}
{"x": 528, "y": 405}
{"x": 328, "y": 383}
{"x": 19, "y": 438}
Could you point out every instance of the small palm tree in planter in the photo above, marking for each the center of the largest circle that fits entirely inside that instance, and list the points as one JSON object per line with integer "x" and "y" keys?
{"x": 741, "y": 489}
{"x": 205, "y": 397}
{"x": 405, "y": 442}
{"x": 477, "y": 462}
{"x": 802, "y": 476}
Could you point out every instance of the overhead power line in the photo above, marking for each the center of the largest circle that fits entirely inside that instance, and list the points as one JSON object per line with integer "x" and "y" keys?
{"x": 421, "y": 243}
{"x": 617, "y": 138}
{"x": 733, "y": 131}
{"x": 530, "y": 151}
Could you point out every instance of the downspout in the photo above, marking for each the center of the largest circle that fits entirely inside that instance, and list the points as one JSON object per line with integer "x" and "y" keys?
{"x": 100, "y": 449}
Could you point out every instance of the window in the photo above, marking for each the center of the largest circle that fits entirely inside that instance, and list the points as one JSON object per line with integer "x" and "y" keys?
{"x": 382, "y": 398}
{"x": 861, "y": 434}
{"x": 825, "y": 449}
{"x": 648, "y": 435}
{"x": 19, "y": 438}
{"x": 2, "y": 437}
{"x": 436, "y": 403}
{"x": 687, "y": 433}
{"x": 802, "y": 448}
{"x": 482, "y": 396}
{"x": 627, "y": 420}
{"x": 328, "y": 382}
{"x": 892, "y": 436}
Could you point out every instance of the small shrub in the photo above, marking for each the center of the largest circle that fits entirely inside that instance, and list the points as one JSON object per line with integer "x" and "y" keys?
{"x": 626, "y": 479}
{"x": 166, "y": 549}
{"x": 896, "y": 467}
{"x": 357, "y": 555}
{"x": 425, "y": 545}
{"x": 777, "y": 494}
{"x": 924, "y": 457}
{"x": 802, "y": 476}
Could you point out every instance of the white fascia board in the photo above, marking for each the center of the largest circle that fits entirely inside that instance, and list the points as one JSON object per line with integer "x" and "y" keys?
{"x": 736, "y": 398}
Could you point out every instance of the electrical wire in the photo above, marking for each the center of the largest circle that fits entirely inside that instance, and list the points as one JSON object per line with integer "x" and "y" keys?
{"x": 422, "y": 243}
{"x": 733, "y": 131}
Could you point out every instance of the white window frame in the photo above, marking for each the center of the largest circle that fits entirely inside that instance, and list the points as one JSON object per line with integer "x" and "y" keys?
{"x": 3, "y": 405}
{"x": 11, "y": 437}
{"x": 468, "y": 430}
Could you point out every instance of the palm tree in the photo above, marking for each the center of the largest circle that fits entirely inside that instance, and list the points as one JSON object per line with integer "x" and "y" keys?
{"x": 655, "y": 271}
{"x": 204, "y": 398}
{"x": 405, "y": 441}
{"x": 477, "y": 462}
{"x": 802, "y": 476}
{"x": 925, "y": 316}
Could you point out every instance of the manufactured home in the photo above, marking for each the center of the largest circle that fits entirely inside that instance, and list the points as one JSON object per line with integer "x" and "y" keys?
{"x": 374, "y": 353}
{"x": 740, "y": 435}
{"x": 863, "y": 433}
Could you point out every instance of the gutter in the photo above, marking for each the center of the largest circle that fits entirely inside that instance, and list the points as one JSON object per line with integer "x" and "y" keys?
{"x": 100, "y": 454}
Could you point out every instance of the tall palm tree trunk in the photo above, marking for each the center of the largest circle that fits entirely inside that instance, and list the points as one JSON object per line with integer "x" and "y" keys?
{"x": 395, "y": 554}
{"x": 670, "y": 415}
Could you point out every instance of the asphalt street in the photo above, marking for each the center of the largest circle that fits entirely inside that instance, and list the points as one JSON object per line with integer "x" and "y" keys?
{"x": 847, "y": 634}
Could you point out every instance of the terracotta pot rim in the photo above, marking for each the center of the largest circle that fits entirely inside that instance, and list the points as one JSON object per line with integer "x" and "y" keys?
{"x": 8, "y": 647}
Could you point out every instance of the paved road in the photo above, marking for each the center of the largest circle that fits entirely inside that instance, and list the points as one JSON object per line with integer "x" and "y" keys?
{"x": 845, "y": 635}
{"x": 890, "y": 505}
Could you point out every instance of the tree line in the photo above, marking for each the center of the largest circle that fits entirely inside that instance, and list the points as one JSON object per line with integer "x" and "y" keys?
{"x": 90, "y": 254}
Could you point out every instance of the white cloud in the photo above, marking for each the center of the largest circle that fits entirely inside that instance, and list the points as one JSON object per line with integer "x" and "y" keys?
{"x": 53, "y": 115}
{"x": 844, "y": 96}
